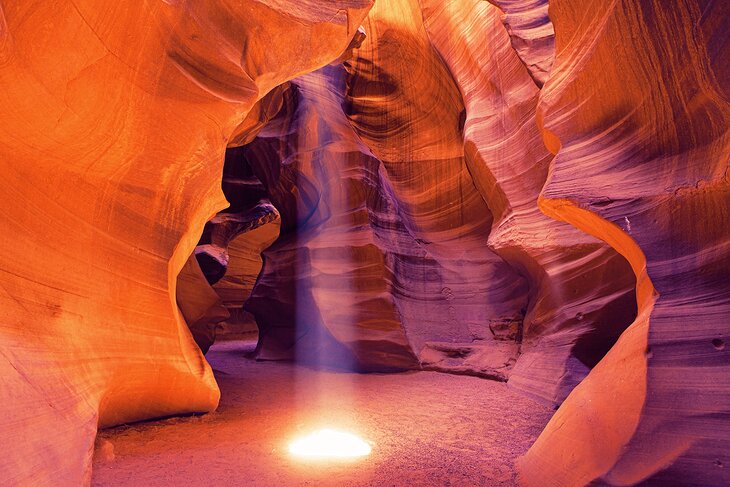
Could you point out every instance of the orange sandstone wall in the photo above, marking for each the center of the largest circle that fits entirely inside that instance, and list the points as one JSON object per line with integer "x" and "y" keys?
{"x": 581, "y": 290}
{"x": 636, "y": 112}
{"x": 115, "y": 119}
{"x": 460, "y": 185}
{"x": 434, "y": 127}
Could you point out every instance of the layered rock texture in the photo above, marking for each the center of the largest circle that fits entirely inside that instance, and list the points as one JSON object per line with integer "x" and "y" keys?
{"x": 639, "y": 130}
{"x": 532, "y": 192}
{"x": 115, "y": 119}
{"x": 383, "y": 232}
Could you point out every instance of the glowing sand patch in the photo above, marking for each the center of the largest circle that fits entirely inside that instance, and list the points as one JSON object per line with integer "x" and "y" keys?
{"x": 328, "y": 443}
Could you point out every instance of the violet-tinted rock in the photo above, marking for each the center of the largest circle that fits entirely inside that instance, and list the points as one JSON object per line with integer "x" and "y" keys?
{"x": 637, "y": 114}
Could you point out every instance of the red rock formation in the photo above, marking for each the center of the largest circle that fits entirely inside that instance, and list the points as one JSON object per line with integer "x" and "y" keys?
{"x": 452, "y": 193}
{"x": 199, "y": 304}
{"x": 640, "y": 133}
{"x": 428, "y": 175}
{"x": 581, "y": 291}
{"x": 400, "y": 240}
{"x": 230, "y": 249}
{"x": 115, "y": 118}
{"x": 324, "y": 294}
{"x": 531, "y": 34}
{"x": 457, "y": 299}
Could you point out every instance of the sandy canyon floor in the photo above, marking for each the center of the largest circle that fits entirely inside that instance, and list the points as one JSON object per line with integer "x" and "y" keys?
{"x": 426, "y": 428}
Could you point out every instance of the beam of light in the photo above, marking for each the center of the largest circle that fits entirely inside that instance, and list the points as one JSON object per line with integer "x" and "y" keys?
{"x": 329, "y": 443}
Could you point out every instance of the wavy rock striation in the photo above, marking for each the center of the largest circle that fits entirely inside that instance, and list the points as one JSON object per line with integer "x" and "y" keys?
{"x": 382, "y": 261}
{"x": 461, "y": 304}
{"x": 640, "y": 133}
{"x": 346, "y": 270}
{"x": 531, "y": 34}
{"x": 581, "y": 290}
{"x": 115, "y": 123}
{"x": 466, "y": 186}
{"x": 323, "y": 294}
{"x": 452, "y": 138}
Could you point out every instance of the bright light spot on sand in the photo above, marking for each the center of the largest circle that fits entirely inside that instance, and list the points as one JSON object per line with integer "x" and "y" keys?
{"x": 328, "y": 443}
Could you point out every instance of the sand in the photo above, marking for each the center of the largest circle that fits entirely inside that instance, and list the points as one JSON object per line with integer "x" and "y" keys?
{"x": 426, "y": 428}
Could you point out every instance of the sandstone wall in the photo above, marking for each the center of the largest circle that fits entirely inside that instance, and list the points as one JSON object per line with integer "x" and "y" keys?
{"x": 532, "y": 192}
{"x": 115, "y": 119}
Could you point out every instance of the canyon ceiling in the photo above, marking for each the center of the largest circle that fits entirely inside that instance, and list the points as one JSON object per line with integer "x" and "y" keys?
{"x": 530, "y": 191}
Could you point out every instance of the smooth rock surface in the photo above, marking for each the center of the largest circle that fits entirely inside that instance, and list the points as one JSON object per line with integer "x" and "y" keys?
{"x": 453, "y": 138}
{"x": 527, "y": 191}
{"x": 581, "y": 290}
{"x": 115, "y": 119}
{"x": 642, "y": 150}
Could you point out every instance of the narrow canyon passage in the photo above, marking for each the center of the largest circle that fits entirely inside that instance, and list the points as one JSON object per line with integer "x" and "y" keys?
{"x": 490, "y": 237}
{"x": 434, "y": 428}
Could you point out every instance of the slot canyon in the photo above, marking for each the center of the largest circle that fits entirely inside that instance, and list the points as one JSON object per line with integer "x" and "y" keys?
{"x": 365, "y": 242}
